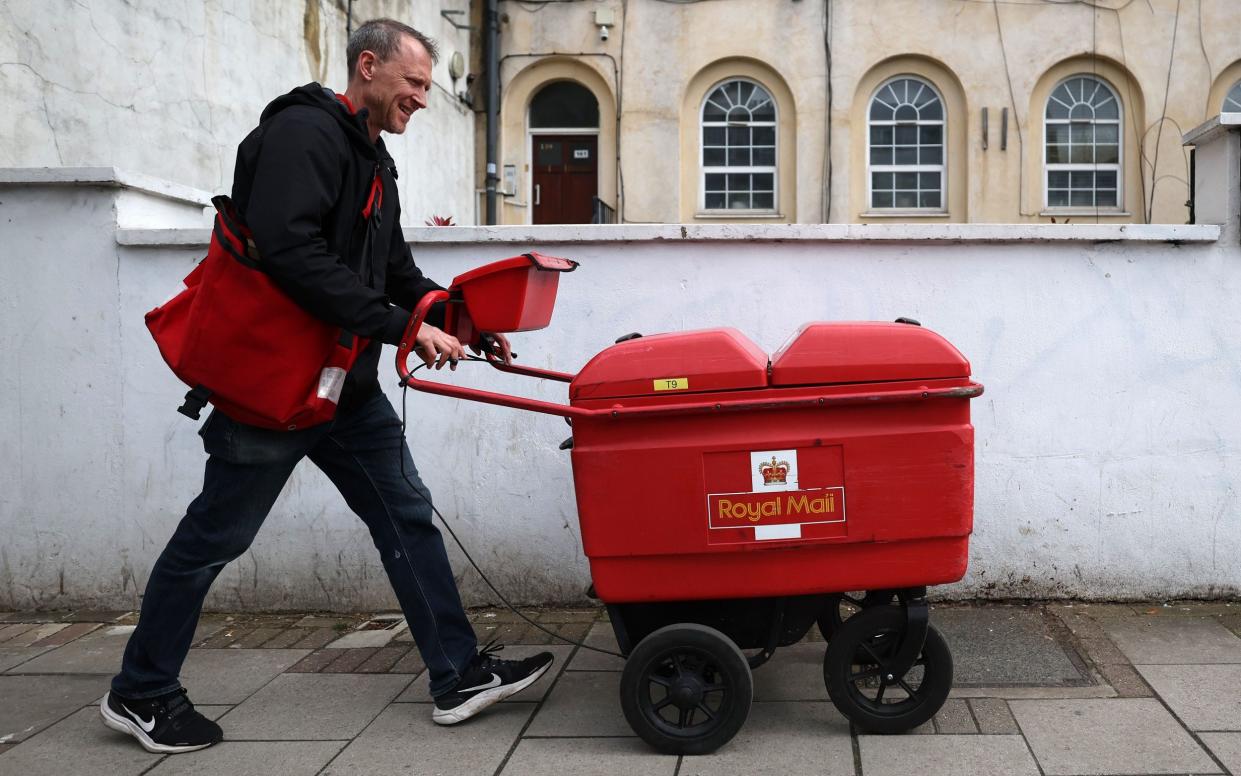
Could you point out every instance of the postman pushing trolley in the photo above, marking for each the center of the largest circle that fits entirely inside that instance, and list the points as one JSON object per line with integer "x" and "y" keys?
{"x": 731, "y": 501}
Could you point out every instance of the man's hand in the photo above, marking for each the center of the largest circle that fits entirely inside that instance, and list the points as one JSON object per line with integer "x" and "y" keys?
{"x": 501, "y": 344}
{"x": 437, "y": 348}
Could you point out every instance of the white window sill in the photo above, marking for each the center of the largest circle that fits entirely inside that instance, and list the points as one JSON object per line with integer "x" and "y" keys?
{"x": 723, "y": 214}
{"x": 904, "y": 214}
{"x": 1085, "y": 211}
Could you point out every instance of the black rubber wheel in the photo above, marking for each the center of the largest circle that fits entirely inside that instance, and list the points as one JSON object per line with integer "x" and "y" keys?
{"x": 686, "y": 689}
{"x": 861, "y": 687}
{"x": 842, "y": 606}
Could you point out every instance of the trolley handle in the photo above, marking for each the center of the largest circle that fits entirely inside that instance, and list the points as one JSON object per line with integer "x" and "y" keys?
{"x": 406, "y": 345}
{"x": 706, "y": 405}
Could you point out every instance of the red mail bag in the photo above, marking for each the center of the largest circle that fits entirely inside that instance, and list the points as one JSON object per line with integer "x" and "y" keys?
{"x": 243, "y": 345}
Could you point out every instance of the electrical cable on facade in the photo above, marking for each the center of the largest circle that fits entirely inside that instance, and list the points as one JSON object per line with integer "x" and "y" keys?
{"x": 1163, "y": 113}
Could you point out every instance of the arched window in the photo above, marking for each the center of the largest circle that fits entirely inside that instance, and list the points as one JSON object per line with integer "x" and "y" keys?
{"x": 905, "y": 146}
{"x": 1082, "y": 159}
{"x": 1232, "y": 102}
{"x": 738, "y": 148}
{"x": 562, "y": 105}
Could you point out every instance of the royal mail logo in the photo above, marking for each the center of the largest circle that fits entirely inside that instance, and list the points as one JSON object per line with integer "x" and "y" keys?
{"x": 774, "y": 472}
{"x": 793, "y": 507}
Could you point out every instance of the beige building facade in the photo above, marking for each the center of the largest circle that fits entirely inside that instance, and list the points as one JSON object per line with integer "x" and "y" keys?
{"x": 797, "y": 111}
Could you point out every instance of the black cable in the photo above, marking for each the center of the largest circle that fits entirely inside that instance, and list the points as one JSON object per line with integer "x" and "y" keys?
{"x": 1163, "y": 114}
{"x": 1012, "y": 98}
{"x": 453, "y": 534}
{"x": 1202, "y": 45}
{"x": 826, "y": 210}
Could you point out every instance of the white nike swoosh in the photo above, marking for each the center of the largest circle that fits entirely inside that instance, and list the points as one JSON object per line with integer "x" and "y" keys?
{"x": 495, "y": 682}
{"x": 147, "y": 727}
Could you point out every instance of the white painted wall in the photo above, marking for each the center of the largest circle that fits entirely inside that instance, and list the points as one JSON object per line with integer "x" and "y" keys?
{"x": 1107, "y": 440}
{"x": 170, "y": 87}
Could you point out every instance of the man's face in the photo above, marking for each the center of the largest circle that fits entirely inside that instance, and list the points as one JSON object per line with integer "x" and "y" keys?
{"x": 398, "y": 87}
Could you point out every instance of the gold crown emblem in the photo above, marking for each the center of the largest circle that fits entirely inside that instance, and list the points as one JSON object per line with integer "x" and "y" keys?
{"x": 774, "y": 472}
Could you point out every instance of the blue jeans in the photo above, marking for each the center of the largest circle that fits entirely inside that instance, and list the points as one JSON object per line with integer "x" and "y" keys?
{"x": 247, "y": 468}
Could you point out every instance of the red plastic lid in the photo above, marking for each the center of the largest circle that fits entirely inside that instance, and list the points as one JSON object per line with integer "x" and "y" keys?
{"x": 533, "y": 261}
{"x": 517, "y": 262}
{"x": 865, "y": 352}
{"x": 672, "y": 364}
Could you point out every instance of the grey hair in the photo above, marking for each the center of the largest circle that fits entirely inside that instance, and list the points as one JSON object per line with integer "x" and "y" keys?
{"x": 382, "y": 37}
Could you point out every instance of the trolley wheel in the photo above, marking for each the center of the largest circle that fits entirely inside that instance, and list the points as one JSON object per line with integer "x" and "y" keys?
{"x": 862, "y": 688}
{"x": 842, "y": 606}
{"x": 686, "y": 689}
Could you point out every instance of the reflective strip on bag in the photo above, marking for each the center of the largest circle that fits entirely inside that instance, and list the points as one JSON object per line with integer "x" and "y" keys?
{"x": 331, "y": 381}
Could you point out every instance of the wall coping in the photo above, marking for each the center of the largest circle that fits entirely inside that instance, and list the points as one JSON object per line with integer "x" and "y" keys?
{"x": 811, "y": 233}
{"x": 1212, "y": 128}
{"x": 109, "y": 177}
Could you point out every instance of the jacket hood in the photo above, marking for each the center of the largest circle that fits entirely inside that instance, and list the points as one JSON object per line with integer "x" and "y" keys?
{"x": 318, "y": 96}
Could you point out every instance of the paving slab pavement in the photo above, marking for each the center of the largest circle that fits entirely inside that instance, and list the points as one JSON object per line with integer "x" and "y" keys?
{"x": 1226, "y": 747}
{"x": 253, "y": 758}
{"x": 231, "y": 675}
{"x": 403, "y": 739}
{"x": 1109, "y": 736}
{"x": 782, "y": 739}
{"x": 1038, "y": 692}
{"x": 11, "y": 657}
{"x": 1205, "y": 697}
{"x": 1174, "y": 641}
{"x": 32, "y": 703}
{"x": 582, "y": 704}
{"x": 1007, "y": 646}
{"x": 79, "y": 744}
{"x": 313, "y": 707}
{"x": 946, "y": 755}
{"x": 593, "y": 757}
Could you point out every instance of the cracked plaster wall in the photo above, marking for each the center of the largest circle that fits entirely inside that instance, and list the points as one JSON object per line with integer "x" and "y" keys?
{"x": 169, "y": 88}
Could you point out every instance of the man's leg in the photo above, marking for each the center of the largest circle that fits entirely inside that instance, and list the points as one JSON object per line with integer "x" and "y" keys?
{"x": 245, "y": 472}
{"x": 218, "y": 527}
{"x": 362, "y": 455}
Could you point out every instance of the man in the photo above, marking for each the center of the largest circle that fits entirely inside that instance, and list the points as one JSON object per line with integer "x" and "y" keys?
{"x": 304, "y": 177}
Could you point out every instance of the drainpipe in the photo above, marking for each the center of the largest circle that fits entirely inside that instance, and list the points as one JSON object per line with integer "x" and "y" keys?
{"x": 492, "y": 44}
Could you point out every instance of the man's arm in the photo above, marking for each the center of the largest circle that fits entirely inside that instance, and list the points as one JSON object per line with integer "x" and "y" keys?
{"x": 297, "y": 181}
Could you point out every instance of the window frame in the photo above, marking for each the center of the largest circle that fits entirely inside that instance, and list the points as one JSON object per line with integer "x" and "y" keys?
{"x": 1233, "y": 94}
{"x": 1096, "y": 167}
{"x": 941, "y": 168}
{"x": 704, "y": 170}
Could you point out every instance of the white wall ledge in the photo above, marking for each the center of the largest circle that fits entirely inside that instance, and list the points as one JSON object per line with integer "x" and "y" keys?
{"x": 1212, "y": 128}
{"x": 831, "y": 233}
{"x": 109, "y": 177}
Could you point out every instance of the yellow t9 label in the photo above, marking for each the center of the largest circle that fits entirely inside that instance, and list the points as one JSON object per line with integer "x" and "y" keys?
{"x": 672, "y": 384}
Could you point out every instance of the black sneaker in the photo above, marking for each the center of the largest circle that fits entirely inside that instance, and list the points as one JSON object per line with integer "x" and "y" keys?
{"x": 166, "y": 724}
{"x": 488, "y": 680}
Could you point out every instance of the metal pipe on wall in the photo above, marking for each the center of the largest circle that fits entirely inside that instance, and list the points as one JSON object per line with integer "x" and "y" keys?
{"x": 491, "y": 37}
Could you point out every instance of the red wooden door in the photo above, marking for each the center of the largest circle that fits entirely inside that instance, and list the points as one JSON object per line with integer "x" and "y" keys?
{"x": 566, "y": 178}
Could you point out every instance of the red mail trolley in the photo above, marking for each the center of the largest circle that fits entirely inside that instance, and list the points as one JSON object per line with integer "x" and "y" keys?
{"x": 729, "y": 501}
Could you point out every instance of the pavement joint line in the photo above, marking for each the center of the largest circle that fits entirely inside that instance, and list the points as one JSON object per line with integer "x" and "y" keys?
{"x": 1192, "y": 733}
{"x": 537, "y": 708}
{"x": 677, "y": 770}
{"x": 1069, "y": 642}
{"x": 970, "y": 708}
{"x": 856, "y": 746}
{"x": 361, "y": 732}
{"x": 617, "y": 736}
{"x": 9, "y": 670}
{"x": 1026, "y": 741}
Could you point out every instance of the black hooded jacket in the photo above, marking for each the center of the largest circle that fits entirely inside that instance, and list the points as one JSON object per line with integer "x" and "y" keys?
{"x": 302, "y": 179}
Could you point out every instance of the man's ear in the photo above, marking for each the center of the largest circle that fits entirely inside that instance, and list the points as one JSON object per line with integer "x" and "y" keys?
{"x": 366, "y": 65}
